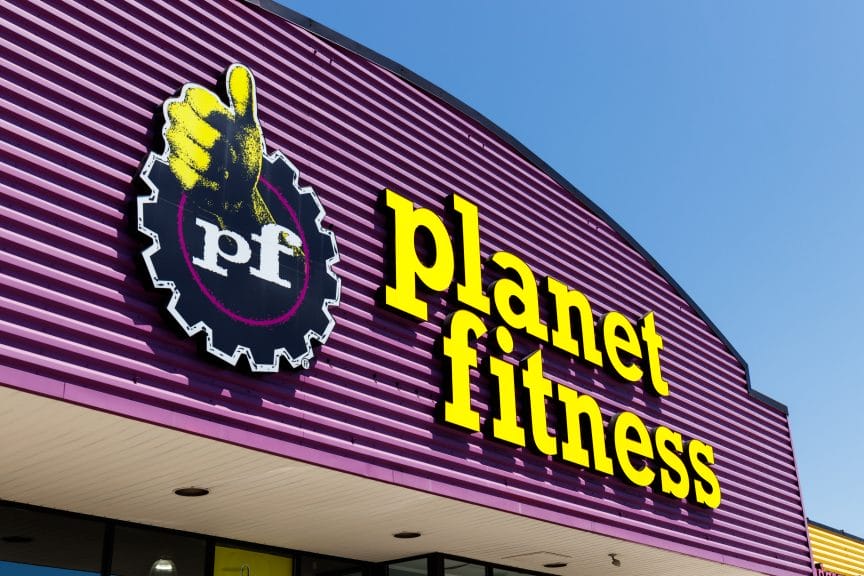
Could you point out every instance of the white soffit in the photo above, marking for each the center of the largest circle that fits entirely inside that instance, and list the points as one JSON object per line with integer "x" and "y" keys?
{"x": 63, "y": 456}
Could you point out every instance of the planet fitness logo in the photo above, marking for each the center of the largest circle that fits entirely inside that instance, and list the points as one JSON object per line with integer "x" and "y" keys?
{"x": 236, "y": 240}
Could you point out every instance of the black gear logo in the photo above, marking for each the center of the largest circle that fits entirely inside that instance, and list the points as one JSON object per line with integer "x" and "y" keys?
{"x": 234, "y": 237}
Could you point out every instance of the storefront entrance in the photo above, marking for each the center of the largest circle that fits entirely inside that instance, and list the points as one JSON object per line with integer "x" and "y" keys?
{"x": 43, "y": 542}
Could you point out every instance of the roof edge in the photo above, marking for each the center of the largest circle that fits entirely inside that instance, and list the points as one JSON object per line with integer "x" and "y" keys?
{"x": 836, "y": 531}
{"x": 418, "y": 81}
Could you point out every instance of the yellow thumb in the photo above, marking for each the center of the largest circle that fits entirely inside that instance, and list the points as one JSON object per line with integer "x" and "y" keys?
{"x": 241, "y": 90}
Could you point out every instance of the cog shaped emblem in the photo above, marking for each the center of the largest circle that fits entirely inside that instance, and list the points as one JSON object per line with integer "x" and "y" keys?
{"x": 236, "y": 240}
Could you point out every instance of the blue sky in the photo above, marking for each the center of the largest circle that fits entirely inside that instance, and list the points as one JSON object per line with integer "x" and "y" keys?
{"x": 726, "y": 137}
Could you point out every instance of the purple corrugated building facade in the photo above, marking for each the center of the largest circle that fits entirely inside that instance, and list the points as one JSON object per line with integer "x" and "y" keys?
{"x": 364, "y": 407}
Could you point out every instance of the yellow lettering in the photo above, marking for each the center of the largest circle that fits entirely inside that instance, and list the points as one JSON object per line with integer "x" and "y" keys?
{"x": 507, "y": 292}
{"x": 706, "y": 487}
{"x": 652, "y": 344}
{"x": 459, "y": 326}
{"x": 567, "y": 301}
{"x": 469, "y": 287}
{"x": 505, "y": 425}
{"x": 620, "y": 336}
{"x": 539, "y": 389}
{"x": 577, "y": 406}
{"x": 409, "y": 268}
{"x": 625, "y": 445}
{"x": 674, "y": 479}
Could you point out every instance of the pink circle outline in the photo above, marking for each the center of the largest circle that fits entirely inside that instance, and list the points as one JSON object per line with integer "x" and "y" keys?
{"x": 219, "y": 305}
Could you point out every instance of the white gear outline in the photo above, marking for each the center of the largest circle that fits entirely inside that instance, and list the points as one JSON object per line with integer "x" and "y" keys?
{"x": 191, "y": 329}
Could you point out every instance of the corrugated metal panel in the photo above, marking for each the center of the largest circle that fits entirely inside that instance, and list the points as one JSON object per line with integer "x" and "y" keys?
{"x": 837, "y": 551}
{"x": 83, "y": 80}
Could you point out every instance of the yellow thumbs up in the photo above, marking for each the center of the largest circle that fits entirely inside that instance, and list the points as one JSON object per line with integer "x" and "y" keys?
{"x": 215, "y": 150}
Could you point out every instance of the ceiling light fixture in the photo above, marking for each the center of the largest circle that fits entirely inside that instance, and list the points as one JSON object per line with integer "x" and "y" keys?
{"x": 615, "y": 561}
{"x": 163, "y": 567}
{"x": 191, "y": 492}
{"x": 406, "y": 535}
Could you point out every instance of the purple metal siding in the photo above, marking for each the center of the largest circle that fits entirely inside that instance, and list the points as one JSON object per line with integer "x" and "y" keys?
{"x": 78, "y": 320}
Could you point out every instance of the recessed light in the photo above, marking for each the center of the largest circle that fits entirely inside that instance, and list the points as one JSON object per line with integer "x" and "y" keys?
{"x": 17, "y": 539}
{"x": 555, "y": 565}
{"x": 163, "y": 567}
{"x": 191, "y": 492}
{"x": 406, "y": 535}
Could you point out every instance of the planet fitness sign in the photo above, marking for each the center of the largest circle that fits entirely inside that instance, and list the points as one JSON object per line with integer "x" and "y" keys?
{"x": 241, "y": 248}
{"x": 234, "y": 238}
{"x": 631, "y": 351}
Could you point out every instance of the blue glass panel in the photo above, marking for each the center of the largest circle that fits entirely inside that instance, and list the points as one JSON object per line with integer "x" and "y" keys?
{"x": 15, "y": 569}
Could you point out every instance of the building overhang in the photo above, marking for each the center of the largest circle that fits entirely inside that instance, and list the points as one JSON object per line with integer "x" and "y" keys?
{"x": 60, "y": 455}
